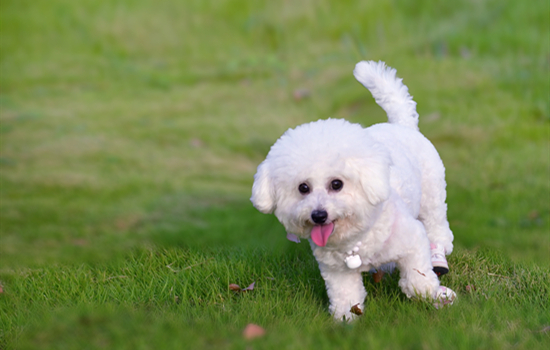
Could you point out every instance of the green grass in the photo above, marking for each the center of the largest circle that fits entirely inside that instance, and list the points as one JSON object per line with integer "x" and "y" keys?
{"x": 130, "y": 132}
{"x": 172, "y": 297}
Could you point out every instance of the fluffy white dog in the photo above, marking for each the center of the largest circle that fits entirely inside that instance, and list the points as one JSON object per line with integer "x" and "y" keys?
{"x": 363, "y": 197}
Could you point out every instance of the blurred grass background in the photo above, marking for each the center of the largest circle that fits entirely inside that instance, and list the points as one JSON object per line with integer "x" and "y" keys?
{"x": 136, "y": 123}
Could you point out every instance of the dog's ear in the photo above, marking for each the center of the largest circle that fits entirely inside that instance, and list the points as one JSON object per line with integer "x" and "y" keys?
{"x": 263, "y": 192}
{"x": 373, "y": 173}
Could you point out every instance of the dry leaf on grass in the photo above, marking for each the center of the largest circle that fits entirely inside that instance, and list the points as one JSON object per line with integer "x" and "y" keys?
{"x": 252, "y": 331}
{"x": 237, "y": 289}
{"x": 355, "y": 309}
{"x": 301, "y": 94}
{"x": 377, "y": 276}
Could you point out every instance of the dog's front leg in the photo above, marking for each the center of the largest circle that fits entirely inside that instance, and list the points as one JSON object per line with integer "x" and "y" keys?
{"x": 417, "y": 277}
{"x": 415, "y": 267}
{"x": 345, "y": 289}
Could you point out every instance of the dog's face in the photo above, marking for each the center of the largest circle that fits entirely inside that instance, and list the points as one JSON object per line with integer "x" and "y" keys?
{"x": 323, "y": 180}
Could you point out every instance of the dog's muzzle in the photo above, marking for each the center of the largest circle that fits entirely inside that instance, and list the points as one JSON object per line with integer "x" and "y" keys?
{"x": 319, "y": 216}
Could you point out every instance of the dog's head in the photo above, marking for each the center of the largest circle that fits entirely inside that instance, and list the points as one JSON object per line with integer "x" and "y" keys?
{"x": 323, "y": 180}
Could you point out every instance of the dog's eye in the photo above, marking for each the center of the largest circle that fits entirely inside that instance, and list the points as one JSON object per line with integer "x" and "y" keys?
{"x": 303, "y": 188}
{"x": 336, "y": 185}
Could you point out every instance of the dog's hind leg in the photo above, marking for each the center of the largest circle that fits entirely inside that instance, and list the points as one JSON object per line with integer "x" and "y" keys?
{"x": 433, "y": 214}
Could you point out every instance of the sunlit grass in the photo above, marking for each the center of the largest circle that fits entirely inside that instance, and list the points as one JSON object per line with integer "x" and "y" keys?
{"x": 172, "y": 297}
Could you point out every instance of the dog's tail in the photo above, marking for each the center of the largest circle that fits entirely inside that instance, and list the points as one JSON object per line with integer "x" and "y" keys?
{"x": 388, "y": 91}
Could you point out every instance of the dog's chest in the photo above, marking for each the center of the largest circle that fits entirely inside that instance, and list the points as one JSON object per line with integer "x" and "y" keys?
{"x": 353, "y": 256}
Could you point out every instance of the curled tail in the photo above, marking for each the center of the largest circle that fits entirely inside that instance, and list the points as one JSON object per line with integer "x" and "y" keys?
{"x": 388, "y": 91}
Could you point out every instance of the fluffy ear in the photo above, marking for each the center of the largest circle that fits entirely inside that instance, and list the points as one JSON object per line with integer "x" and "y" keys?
{"x": 373, "y": 173}
{"x": 263, "y": 192}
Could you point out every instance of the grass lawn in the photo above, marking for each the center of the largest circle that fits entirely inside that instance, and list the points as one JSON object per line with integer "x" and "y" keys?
{"x": 130, "y": 132}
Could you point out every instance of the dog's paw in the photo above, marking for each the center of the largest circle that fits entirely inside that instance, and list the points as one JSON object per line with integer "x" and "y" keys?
{"x": 444, "y": 296}
{"x": 349, "y": 315}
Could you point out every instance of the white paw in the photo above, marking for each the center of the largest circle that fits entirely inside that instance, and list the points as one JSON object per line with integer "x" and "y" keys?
{"x": 444, "y": 296}
{"x": 350, "y": 315}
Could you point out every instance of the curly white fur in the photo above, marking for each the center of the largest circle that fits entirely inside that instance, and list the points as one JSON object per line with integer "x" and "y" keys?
{"x": 392, "y": 198}
{"x": 388, "y": 91}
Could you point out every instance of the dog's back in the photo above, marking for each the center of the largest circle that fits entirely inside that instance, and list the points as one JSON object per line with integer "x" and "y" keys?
{"x": 405, "y": 143}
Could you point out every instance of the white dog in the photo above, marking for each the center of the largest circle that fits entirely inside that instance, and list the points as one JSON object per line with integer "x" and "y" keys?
{"x": 363, "y": 197}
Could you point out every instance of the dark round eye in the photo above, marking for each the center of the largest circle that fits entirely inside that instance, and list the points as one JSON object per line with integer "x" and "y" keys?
{"x": 303, "y": 188}
{"x": 336, "y": 185}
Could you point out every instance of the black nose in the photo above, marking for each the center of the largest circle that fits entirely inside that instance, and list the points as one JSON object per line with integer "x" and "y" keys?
{"x": 319, "y": 216}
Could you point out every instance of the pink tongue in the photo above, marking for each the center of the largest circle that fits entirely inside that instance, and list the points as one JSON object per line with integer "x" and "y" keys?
{"x": 320, "y": 234}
